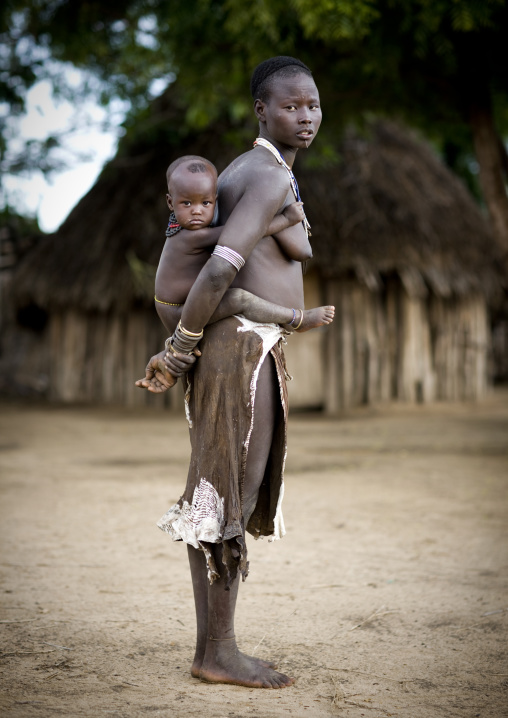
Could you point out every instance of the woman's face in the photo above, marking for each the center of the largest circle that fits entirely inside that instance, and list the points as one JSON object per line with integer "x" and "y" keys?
{"x": 292, "y": 115}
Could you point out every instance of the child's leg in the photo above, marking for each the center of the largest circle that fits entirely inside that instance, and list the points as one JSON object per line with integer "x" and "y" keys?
{"x": 239, "y": 301}
{"x": 169, "y": 314}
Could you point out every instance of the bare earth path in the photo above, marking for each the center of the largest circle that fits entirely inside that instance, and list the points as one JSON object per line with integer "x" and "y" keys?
{"x": 388, "y": 596}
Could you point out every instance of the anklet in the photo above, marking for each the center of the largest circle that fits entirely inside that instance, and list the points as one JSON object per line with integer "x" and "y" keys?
{"x": 211, "y": 638}
{"x": 300, "y": 322}
{"x": 294, "y": 317}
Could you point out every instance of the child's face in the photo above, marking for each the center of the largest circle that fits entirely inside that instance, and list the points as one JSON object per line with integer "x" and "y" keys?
{"x": 192, "y": 197}
{"x": 292, "y": 114}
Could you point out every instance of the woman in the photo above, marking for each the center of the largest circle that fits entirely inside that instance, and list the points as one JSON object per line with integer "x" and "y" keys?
{"x": 237, "y": 398}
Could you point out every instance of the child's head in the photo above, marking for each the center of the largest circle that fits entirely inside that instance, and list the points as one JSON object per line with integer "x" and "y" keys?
{"x": 192, "y": 191}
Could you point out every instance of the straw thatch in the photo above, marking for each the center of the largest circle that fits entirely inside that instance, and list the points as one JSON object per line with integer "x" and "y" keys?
{"x": 407, "y": 258}
{"x": 400, "y": 248}
{"x": 390, "y": 206}
{"x": 97, "y": 261}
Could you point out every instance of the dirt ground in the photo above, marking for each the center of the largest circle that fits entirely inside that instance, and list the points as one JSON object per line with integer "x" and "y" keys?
{"x": 387, "y": 597}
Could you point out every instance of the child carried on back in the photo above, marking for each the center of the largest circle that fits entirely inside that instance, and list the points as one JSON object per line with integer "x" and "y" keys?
{"x": 191, "y": 198}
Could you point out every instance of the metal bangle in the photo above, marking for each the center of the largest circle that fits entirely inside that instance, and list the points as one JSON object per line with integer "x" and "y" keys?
{"x": 300, "y": 322}
{"x": 194, "y": 335}
{"x": 229, "y": 255}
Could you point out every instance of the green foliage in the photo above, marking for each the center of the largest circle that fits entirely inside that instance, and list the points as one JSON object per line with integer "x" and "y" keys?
{"x": 18, "y": 225}
{"x": 336, "y": 20}
{"x": 420, "y": 60}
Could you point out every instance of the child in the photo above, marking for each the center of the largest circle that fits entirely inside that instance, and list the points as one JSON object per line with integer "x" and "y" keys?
{"x": 192, "y": 196}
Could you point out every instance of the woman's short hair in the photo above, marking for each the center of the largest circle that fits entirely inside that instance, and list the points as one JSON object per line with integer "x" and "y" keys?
{"x": 267, "y": 72}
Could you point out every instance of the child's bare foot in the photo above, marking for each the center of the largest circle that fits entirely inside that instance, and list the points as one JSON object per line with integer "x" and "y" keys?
{"x": 223, "y": 663}
{"x": 313, "y": 318}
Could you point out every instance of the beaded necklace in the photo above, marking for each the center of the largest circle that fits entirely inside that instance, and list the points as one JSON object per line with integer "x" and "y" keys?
{"x": 294, "y": 184}
{"x": 173, "y": 226}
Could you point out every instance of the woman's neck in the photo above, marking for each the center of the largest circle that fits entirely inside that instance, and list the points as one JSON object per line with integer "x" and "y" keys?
{"x": 289, "y": 153}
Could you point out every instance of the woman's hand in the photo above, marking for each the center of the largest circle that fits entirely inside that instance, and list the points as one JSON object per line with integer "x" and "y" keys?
{"x": 179, "y": 364}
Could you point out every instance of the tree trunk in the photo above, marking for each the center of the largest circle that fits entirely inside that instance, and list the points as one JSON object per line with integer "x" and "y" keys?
{"x": 489, "y": 153}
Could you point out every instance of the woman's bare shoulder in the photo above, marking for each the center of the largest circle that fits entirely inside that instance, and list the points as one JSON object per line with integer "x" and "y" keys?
{"x": 251, "y": 165}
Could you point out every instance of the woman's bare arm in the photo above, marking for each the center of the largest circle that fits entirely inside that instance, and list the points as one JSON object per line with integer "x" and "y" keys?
{"x": 249, "y": 221}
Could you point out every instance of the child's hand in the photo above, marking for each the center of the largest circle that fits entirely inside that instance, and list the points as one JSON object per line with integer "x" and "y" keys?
{"x": 294, "y": 213}
{"x": 157, "y": 378}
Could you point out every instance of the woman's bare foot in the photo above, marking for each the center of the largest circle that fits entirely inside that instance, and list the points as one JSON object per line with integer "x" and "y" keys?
{"x": 224, "y": 663}
{"x": 312, "y": 318}
{"x": 196, "y": 666}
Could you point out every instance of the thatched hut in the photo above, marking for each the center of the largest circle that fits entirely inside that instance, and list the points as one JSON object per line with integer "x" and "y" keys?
{"x": 400, "y": 249}
{"x": 18, "y": 237}
{"x": 407, "y": 258}
{"x": 94, "y": 276}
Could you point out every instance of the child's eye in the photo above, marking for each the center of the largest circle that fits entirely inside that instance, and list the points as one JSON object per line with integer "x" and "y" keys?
{"x": 206, "y": 202}
{"x": 291, "y": 107}
{"x": 314, "y": 107}
{"x": 186, "y": 203}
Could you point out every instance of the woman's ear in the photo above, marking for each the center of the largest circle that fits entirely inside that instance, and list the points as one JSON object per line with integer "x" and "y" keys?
{"x": 259, "y": 110}
{"x": 169, "y": 202}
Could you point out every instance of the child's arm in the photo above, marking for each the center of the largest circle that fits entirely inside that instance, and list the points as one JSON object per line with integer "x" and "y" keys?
{"x": 199, "y": 239}
{"x": 290, "y": 242}
{"x": 293, "y": 239}
{"x": 290, "y": 216}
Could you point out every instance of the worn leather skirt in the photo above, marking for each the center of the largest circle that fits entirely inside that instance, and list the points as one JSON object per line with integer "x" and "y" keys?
{"x": 220, "y": 407}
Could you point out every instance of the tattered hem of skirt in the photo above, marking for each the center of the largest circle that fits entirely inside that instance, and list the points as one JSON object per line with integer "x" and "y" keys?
{"x": 209, "y": 531}
{"x": 177, "y": 523}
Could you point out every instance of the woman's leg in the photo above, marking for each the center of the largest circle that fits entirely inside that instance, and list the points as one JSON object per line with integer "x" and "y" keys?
{"x": 199, "y": 575}
{"x": 223, "y": 662}
{"x": 200, "y": 584}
